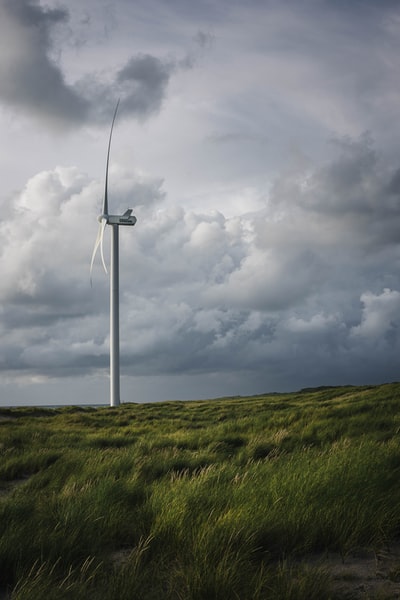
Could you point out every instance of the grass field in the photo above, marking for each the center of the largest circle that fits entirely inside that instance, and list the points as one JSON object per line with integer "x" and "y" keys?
{"x": 219, "y": 499}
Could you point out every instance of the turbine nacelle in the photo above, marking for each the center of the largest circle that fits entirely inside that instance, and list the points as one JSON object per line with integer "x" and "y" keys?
{"x": 126, "y": 219}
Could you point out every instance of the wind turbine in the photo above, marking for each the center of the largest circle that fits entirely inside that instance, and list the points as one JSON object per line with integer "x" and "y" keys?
{"x": 114, "y": 221}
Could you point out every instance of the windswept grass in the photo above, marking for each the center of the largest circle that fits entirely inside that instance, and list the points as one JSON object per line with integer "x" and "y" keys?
{"x": 196, "y": 500}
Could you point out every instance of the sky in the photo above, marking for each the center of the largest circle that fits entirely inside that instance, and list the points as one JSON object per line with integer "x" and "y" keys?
{"x": 257, "y": 143}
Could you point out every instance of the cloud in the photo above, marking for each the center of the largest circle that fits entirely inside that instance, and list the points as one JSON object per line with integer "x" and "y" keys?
{"x": 380, "y": 319}
{"x": 30, "y": 79}
{"x": 352, "y": 199}
{"x": 279, "y": 293}
{"x": 52, "y": 322}
{"x": 263, "y": 257}
{"x": 141, "y": 86}
{"x": 142, "y": 82}
{"x": 35, "y": 83}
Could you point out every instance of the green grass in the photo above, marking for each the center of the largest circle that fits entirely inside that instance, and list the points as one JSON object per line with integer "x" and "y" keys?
{"x": 221, "y": 499}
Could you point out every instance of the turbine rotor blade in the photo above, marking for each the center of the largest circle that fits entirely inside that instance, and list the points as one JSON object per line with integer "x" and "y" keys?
{"x": 105, "y": 203}
{"x": 96, "y": 245}
{"x": 104, "y": 216}
{"x": 98, "y": 242}
{"x": 102, "y": 226}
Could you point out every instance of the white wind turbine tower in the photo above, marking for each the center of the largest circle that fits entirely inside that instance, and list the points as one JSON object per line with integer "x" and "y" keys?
{"x": 114, "y": 221}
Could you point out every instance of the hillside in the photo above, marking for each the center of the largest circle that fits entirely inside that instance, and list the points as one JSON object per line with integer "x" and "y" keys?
{"x": 252, "y": 498}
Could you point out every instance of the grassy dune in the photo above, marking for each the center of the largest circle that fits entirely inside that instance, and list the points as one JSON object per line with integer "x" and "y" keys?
{"x": 220, "y": 499}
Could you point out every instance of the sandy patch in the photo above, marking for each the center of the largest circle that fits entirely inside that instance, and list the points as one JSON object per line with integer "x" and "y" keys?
{"x": 364, "y": 574}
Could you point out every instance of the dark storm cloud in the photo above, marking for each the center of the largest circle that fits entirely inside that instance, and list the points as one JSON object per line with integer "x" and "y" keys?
{"x": 140, "y": 85}
{"x": 304, "y": 292}
{"x": 354, "y": 198}
{"x": 143, "y": 81}
{"x": 292, "y": 279}
{"x": 29, "y": 78}
{"x": 32, "y": 81}
{"x": 31, "y": 14}
{"x": 303, "y": 289}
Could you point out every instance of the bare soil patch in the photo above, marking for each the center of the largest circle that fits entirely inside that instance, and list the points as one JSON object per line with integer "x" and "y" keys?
{"x": 364, "y": 573}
